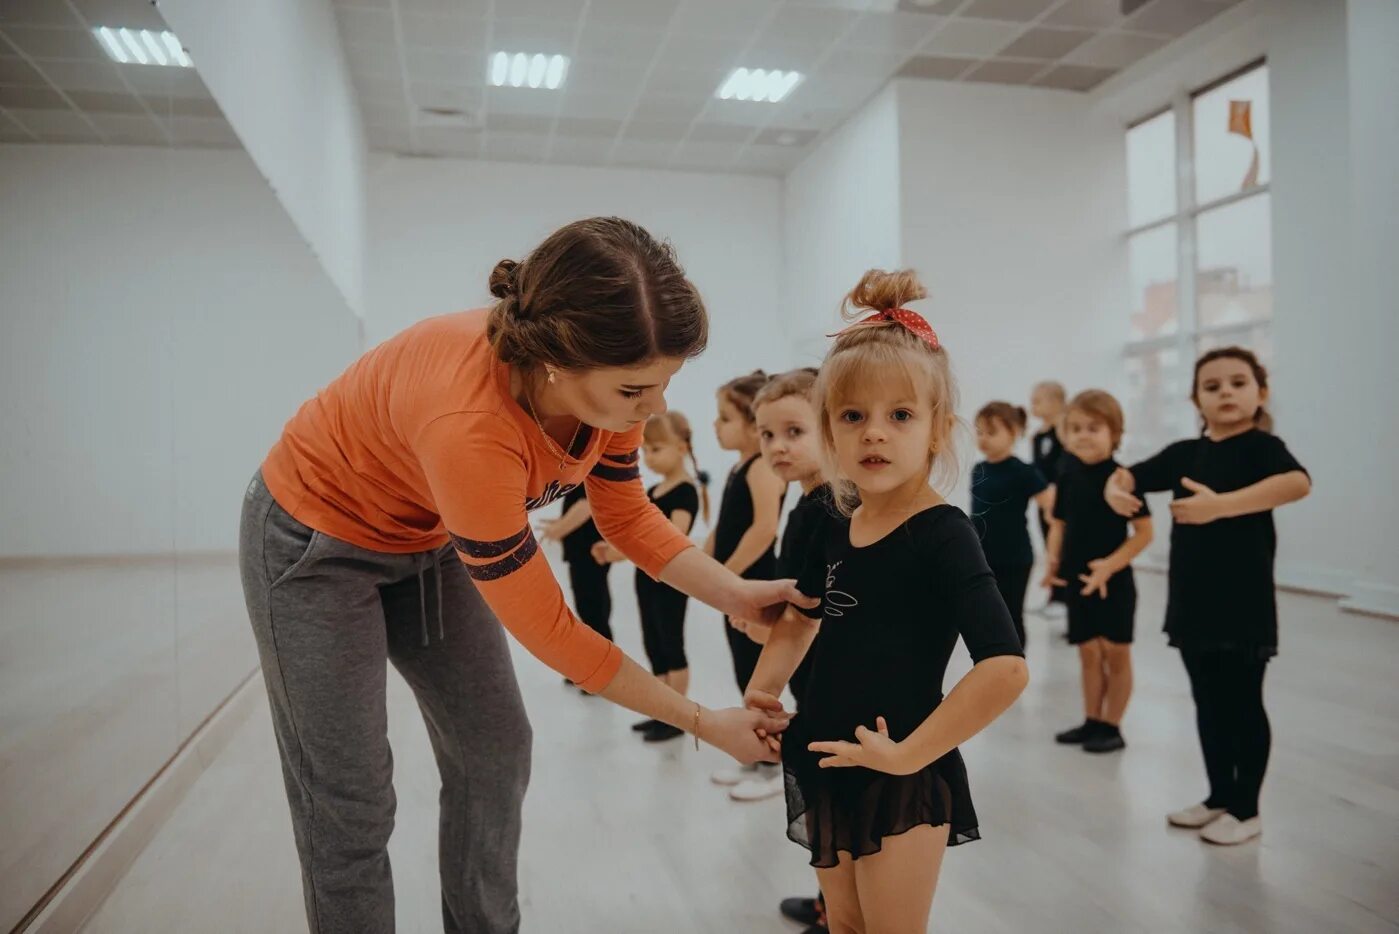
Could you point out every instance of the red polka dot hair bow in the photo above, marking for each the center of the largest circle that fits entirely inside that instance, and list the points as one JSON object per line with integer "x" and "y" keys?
{"x": 910, "y": 321}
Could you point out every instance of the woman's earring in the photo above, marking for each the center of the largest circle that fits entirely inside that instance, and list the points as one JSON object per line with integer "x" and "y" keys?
{"x": 552, "y": 374}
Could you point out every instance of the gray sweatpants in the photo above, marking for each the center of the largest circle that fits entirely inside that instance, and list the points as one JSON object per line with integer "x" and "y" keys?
{"x": 327, "y": 615}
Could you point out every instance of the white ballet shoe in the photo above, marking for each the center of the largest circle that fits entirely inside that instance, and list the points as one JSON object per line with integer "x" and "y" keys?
{"x": 1228, "y": 830}
{"x": 1197, "y": 815}
{"x": 734, "y": 774}
{"x": 767, "y": 783}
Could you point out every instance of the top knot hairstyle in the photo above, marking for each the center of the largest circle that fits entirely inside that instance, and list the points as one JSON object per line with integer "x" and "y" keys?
{"x": 884, "y": 352}
{"x": 1013, "y": 417}
{"x": 600, "y": 292}
{"x": 743, "y": 390}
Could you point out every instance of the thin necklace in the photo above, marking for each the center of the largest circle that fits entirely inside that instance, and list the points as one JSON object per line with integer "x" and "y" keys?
{"x": 563, "y": 453}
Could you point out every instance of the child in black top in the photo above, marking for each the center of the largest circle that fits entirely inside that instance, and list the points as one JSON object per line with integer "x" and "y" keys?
{"x": 666, "y": 443}
{"x": 587, "y": 578}
{"x": 1090, "y": 553}
{"x": 1221, "y": 609}
{"x": 873, "y": 772}
{"x": 745, "y": 532}
{"x": 1002, "y": 487}
{"x": 1048, "y": 456}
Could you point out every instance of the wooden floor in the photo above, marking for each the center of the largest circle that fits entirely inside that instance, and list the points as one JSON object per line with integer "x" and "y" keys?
{"x": 623, "y": 837}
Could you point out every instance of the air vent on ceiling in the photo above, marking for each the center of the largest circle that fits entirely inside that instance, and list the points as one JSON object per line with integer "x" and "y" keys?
{"x": 454, "y": 118}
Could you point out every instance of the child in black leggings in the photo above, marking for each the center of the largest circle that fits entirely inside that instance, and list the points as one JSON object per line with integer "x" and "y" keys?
{"x": 575, "y": 530}
{"x": 666, "y": 445}
{"x": 1221, "y": 609}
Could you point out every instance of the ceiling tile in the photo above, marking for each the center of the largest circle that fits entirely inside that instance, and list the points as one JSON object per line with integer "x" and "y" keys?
{"x": 936, "y": 68}
{"x": 96, "y": 76}
{"x": 105, "y": 102}
{"x": 58, "y": 124}
{"x": 652, "y": 14}
{"x": 552, "y": 10}
{"x": 184, "y": 107}
{"x": 809, "y": 24}
{"x": 1114, "y": 50}
{"x": 1045, "y": 44}
{"x": 784, "y": 136}
{"x": 967, "y": 38}
{"x": 826, "y": 91}
{"x": 202, "y": 131}
{"x": 589, "y": 127}
{"x": 381, "y": 4}
{"x": 522, "y": 101}
{"x": 435, "y": 65}
{"x": 933, "y": 6}
{"x": 133, "y": 14}
{"x": 728, "y": 19}
{"x": 55, "y": 43}
{"x": 443, "y": 32}
{"x": 161, "y": 82}
{"x": 385, "y": 115}
{"x": 860, "y": 62}
{"x": 708, "y": 157}
{"x": 997, "y": 72}
{"x": 472, "y": 8}
{"x": 1090, "y": 14}
{"x": 663, "y": 130}
{"x": 365, "y": 27}
{"x": 448, "y": 141}
{"x": 512, "y": 148}
{"x": 691, "y": 82}
{"x": 1075, "y": 77}
{"x": 130, "y": 128}
{"x": 769, "y": 160}
{"x": 16, "y": 71}
{"x": 698, "y": 52}
{"x": 580, "y": 151}
{"x": 720, "y": 133}
{"x": 531, "y": 124}
{"x": 451, "y": 97}
{"x": 618, "y": 43}
{"x": 740, "y": 113}
{"x": 1018, "y": 11}
{"x": 11, "y": 132}
{"x": 668, "y": 109}
{"x": 386, "y": 91}
{"x": 646, "y": 153}
{"x": 376, "y": 61}
{"x": 533, "y": 35}
{"x": 1172, "y": 17}
{"x": 893, "y": 31}
{"x": 31, "y": 99}
{"x": 601, "y": 106}
{"x": 37, "y": 13}
{"x": 787, "y": 56}
{"x": 387, "y": 139}
{"x": 603, "y": 77}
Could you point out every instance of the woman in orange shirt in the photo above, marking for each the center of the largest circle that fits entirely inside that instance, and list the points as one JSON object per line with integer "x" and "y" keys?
{"x": 390, "y": 522}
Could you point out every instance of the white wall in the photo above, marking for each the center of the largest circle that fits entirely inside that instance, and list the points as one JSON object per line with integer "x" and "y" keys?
{"x": 1013, "y": 200}
{"x": 278, "y": 71}
{"x": 160, "y": 318}
{"x": 438, "y": 227}
{"x": 841, "y": 217}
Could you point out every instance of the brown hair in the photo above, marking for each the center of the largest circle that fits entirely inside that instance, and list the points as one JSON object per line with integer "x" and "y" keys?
{"x": 1099, "y": 404}
{"x": 1053, "y": 387}
{"x": 743, "y": 390}
{"x": 879, "y": 351}
{"x": 1262, "y": 418}
{"x": 791, "y": 383}
{"x": 1011, "y": 416}
{"x": 599, "y": 292}
{"x": 672, "y": 426}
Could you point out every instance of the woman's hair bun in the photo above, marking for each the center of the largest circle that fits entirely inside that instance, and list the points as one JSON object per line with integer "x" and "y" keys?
{"x": 503, "y": 278}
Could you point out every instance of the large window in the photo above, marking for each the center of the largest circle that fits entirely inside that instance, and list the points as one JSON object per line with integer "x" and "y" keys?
{"x": 1199, "y": 248}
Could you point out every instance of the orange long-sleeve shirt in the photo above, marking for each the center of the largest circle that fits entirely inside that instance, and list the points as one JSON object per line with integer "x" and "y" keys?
{"x": 420, "y": 443}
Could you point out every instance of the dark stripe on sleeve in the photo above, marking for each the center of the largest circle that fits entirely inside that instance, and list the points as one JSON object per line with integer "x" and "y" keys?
{"x": 507, "y": 565}
{"x": 631, "y": 457}
{"x": 478, "y": 549}
{"x": 616, "y": 474}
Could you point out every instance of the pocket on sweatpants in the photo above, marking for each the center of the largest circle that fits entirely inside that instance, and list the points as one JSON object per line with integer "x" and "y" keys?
{"x": 287, "y": 545}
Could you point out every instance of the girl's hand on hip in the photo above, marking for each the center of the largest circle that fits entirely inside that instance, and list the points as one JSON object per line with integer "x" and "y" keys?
{"x": 872, "y": 749}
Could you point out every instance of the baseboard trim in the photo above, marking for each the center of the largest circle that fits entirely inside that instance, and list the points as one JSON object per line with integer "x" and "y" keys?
{"x": 1372, "y": 600}
{"x": 92, "y": 877}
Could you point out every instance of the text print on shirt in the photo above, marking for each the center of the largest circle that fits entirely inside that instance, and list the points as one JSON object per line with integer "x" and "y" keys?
{"x": 837, "y": 601}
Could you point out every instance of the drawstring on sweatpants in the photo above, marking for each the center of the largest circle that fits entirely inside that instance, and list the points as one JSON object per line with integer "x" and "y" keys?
{"x": 435, "y": 563}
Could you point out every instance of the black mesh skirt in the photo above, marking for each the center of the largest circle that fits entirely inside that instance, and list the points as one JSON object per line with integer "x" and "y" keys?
{"x": 854, "y": 809}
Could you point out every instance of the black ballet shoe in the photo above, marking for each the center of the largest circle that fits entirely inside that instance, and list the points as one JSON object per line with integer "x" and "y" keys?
{"x": 1079, "y": 734}
{"x": 800, "y": 910}
{"x": 642, "y": 726}
{"x": 661, "y": 732}
{"x": 1108, "y": 738}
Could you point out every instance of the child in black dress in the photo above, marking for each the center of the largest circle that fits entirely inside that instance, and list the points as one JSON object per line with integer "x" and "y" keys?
{"x": 743, "y": 537}
{"x": 1047, "y": 455}
{"x": 873, "y": 773}
{"x": 791, "y": 445}
{"x": 666, "y": 444}
{"x": 575, "y": 530}
{"x": 1221, "y": 609}
{"x": 1090, "y": 553}
{"x": 1002, "y": 487}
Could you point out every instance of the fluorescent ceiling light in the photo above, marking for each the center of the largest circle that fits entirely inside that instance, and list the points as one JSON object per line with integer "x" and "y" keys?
{"x": 526, "y": 70}
{"x": 142, "y": 47}
{"x": 758, "y": 84}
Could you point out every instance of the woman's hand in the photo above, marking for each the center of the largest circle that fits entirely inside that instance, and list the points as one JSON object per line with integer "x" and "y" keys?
{"x": 1201, "y": 509}
{"x": 872, "y": 749}
{"x": 1119, "y": 495}
{"x": 764, "y": 601}
{"x": 742, "y": 733}
{"x": 1100, "y": 571}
